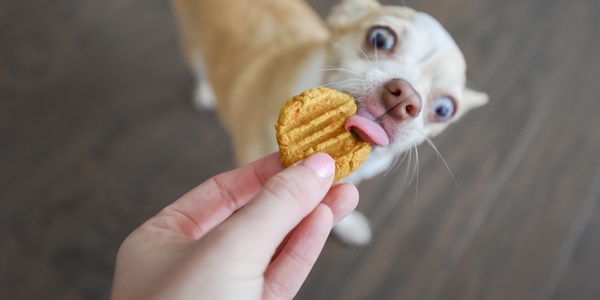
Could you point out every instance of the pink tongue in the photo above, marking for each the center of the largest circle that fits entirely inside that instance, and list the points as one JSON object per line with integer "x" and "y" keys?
{"x": 369, "y": 131}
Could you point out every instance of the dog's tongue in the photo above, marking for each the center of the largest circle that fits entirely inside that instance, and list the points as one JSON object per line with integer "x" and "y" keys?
{"x": 369, "y": 131}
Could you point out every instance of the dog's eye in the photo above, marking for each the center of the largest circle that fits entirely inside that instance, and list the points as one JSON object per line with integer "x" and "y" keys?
{"x": 382, "y": 38}
{"x": 444, "y": 108}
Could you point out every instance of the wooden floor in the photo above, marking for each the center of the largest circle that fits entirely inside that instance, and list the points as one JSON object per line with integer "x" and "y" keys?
{"x": 97, "y": 133}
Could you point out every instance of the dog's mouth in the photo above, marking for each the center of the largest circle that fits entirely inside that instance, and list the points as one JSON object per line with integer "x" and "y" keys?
{"x": 368, "y": 130}
{"x": 398, "y": 104}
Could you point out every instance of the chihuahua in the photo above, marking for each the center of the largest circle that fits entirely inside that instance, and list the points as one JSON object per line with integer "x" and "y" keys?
{"x": 404, "y": 70}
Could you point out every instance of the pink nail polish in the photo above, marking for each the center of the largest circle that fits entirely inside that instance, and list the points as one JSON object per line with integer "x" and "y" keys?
{"x": 321, "y": 163}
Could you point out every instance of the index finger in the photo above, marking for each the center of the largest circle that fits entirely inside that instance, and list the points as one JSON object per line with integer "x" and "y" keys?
{"x": 209, "y": 204}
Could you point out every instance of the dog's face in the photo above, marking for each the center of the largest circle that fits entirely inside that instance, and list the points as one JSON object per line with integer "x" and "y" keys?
{"x": 404, "y": 70}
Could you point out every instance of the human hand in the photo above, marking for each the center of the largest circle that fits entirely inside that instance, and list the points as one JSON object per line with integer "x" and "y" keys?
{"x": 251, "y": 233}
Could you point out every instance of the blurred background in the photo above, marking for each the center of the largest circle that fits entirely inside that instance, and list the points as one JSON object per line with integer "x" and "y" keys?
{"x": 98, "y": 133}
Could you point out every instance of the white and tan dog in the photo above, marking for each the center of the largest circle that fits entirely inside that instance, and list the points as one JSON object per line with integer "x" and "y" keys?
{"x": 404, "y": 70}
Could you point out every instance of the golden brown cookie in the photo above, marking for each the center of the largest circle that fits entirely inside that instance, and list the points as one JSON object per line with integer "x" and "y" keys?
{"x": 314, "y": 122}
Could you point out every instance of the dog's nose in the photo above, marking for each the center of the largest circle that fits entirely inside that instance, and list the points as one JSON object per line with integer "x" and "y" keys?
{"x": 401, "y": 100}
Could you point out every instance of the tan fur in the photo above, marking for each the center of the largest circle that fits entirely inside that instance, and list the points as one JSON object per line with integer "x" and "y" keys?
{"x": 249, "y": 39}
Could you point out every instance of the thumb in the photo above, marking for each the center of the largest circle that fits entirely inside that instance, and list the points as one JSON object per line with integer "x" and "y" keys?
{"x": 283, "y": 202}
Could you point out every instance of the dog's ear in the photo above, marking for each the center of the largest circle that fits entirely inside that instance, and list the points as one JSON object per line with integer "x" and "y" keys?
{"x": 473, "y": 99}
{"x": 348, "y": 12}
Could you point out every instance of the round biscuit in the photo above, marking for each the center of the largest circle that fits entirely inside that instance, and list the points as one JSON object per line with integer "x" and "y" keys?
{"x": 313, "y": 121}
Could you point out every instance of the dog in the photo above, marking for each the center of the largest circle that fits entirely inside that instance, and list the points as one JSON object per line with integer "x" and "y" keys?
{"x": 403, "y": 68}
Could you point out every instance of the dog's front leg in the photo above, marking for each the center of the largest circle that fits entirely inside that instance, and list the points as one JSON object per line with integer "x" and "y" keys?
{"x": 204, "y": 97}
{"x": 354, "y": 229}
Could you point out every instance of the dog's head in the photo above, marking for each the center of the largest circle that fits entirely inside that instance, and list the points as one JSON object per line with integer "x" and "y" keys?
{"x": 403, "y": 68}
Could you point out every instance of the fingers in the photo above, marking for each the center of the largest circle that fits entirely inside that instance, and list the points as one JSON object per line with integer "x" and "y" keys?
{"x": 287, "y": 272}
{"x": 342, "y": 199}
{"x": 299, "y": 251}
{"x": 212, "y": 202}
{"x": 284, "y": 201}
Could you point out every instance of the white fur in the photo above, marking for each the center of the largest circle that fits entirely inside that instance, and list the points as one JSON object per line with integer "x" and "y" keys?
{"x": 354, "y": 229}
{"x": 204, "y": 97}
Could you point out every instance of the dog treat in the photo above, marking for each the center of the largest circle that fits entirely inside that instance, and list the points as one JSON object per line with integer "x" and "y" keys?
{"x": 314, "y": 122}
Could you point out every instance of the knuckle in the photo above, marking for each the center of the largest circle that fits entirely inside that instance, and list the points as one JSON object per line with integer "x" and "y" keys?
{"x": 282, "y": 186}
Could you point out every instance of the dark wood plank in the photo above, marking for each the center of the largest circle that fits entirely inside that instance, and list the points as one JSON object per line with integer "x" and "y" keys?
{"x": 517, "y": 247}
{"x": 97, "y": 134}
{"x": 577, "y": 273}
{"x": 577, "y": 268}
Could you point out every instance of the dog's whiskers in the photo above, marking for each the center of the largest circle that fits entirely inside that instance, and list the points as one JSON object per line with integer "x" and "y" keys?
{"x": 352, "y": 86}
{"x": 364, "y": 54}
{"x": 417, "y": 172}
{"x": 345, "y": 48}
{"x": 393, "y": 166}
{"x": 350, "y": 80}
{"x": 440, "y": 157}
{"x": 343, "y": 70}
{"x": 396, "y": 163}
{"x": 408, "y": 176}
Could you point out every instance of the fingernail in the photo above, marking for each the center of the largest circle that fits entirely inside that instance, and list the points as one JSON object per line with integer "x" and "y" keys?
{"x": 321, "y": 163}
